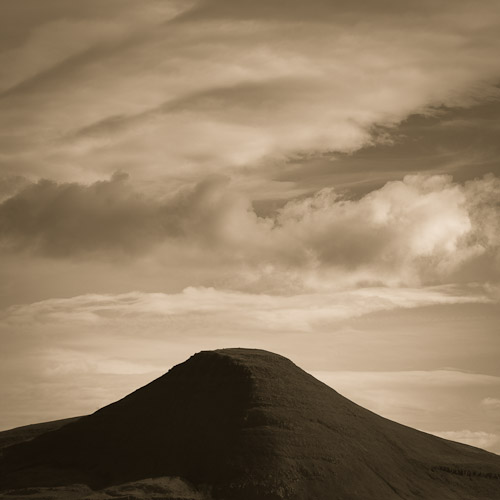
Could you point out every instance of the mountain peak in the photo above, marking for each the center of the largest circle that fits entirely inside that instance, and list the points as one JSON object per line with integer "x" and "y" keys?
{"x": 249, "y": 424}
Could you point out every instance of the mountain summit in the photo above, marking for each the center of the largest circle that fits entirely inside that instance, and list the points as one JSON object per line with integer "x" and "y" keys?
{"x": 245, "y": 424}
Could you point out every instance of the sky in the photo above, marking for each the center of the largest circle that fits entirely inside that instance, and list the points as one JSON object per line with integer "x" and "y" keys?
{"x": 319, "y": 179}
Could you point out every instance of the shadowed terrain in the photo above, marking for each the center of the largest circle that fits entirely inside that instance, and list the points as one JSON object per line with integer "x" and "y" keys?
{"x": 243, "y": 424}
{"x": 27, "y": 432}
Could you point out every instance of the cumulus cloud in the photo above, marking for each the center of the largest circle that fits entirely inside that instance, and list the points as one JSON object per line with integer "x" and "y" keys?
{"x": 70, "y": 218}
{"x": 423, "y": 229}
{"x": 395, "y": 229}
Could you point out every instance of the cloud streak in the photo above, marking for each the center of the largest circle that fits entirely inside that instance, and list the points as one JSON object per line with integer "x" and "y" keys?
{"x": 258, "y": 312}
{"x": 232, "y": 86}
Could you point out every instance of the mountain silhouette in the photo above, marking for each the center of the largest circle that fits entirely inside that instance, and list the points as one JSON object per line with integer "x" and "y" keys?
{"x": 245, "y": 424}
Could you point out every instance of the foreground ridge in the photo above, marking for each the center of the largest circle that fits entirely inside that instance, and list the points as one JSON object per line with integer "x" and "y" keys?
{"x": 245, "y": 424}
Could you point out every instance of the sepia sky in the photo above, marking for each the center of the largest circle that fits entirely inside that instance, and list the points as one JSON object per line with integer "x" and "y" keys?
{"x": 320, "y": 179}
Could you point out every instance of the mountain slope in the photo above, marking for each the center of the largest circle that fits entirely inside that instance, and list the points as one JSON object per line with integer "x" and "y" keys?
{"x": 27, "y": 432}
{"x": 250, "y": 425}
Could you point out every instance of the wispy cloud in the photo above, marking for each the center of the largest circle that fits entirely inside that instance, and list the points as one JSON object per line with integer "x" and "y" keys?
{"x": 258, "y": 312}
{"x": 167, "y": 96}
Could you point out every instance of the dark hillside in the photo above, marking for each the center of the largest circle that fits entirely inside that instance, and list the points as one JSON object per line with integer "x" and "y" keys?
{"x": 27, "y": 432}
{"x": 250, "y": 425}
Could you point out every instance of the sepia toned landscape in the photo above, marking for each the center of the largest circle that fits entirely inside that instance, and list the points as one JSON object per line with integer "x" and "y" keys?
{"x": 250, "y": 250}
{"x": 244, "y": 424}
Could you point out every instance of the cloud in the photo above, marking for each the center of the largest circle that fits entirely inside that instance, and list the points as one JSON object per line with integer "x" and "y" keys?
{"x": 392, "y": 229}
{"x": 67, "y": 218}
{"x": 479, "y": 439}
{"x": 57, "y": 34}
{"x": 259, "y": 312}
{"x": 321, "y": 10}
{"x": 423, "y": 229}
{"x": 491, "y": 403}
{"x": 73, "y": 219}
{"x": 233, "y": 86}
{"x": 11, "y": 185}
